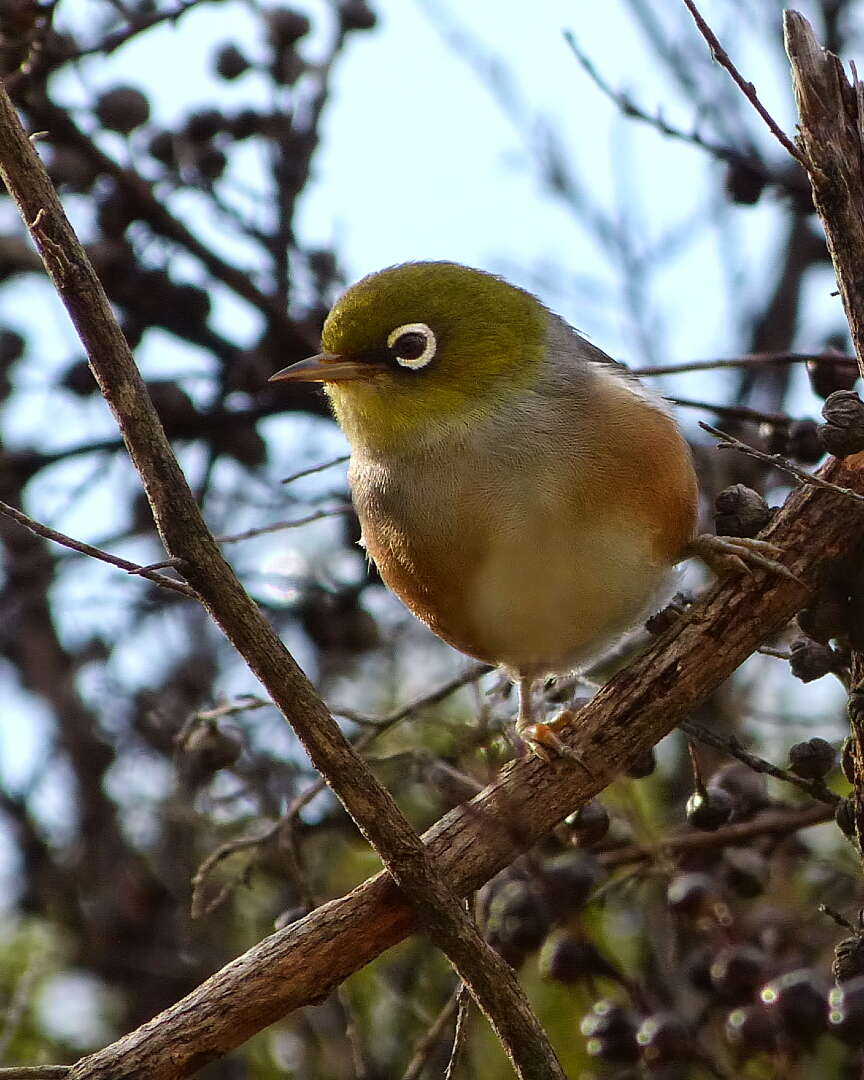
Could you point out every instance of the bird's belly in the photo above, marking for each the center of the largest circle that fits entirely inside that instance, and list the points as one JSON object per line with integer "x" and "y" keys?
{"x": 544, "y": 602}
{"x": 536, "y": 598}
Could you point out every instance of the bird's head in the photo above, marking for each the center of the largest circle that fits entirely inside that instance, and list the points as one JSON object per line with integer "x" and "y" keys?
{"x": 414, "y": 351}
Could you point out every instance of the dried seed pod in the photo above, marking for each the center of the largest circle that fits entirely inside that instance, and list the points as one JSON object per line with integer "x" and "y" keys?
{"x": 844, "y": 817}
{"x": 842, "y": 433}
{"x": 205, "y": 749}
{"x": 848, "y": 960}
{"x": 809, "y": 660}
{"x": 812, "y": 759}
{"x": 827, "y": 615}
{"x": 740, "y": 511}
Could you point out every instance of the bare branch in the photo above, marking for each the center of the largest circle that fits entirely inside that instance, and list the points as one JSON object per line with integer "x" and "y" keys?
{"x": 746, "y": 88}
{"x": 729, "y": 442}
{"x": 97, "y": 553}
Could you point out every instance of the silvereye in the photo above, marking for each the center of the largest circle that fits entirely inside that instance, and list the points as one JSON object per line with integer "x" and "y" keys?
{"x": 523, "y": 493}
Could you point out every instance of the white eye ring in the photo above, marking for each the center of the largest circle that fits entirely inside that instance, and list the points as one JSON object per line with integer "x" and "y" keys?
{"x": 413, "y": 362}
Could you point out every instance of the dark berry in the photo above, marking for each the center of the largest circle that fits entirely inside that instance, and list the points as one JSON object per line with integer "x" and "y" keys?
{"x": 690, "y": 893}
{"x": 830, "y": 373}
{"x": 664, "y": 1040}
{"x": 745, "y": 786}
{"x": 643, "y": 766}
{"x": 356, "y": 15}
{"x": 122, "y": 109}
{"x": 798, "y": 1002}
{"x": 285, "y": 26}
{"x": 750, "y": 1031}
{"x": 845, "y": 818}
{"x": 610, "y": 1029}
{"x": 737, "y": 972}
{"x": 518, "y": 918}
{"x": 846, "y": 1011}
{"x": 571, "y": 960}
{"x": 709, "y": 808}
{"x": 588, "y": 825}
{"x": 745, "y": 181}
{"x": 804, "y": 442}
{"x": 202, "y": 125}
{"x": 826, "y": 617}
{"x": 230, "y": 62}
{"x": 745, "y": 872}
{"x": 569, "y": 880}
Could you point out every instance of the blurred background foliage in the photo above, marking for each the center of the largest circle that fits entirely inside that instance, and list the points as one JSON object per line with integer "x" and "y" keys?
{"x": 157, "y": 817}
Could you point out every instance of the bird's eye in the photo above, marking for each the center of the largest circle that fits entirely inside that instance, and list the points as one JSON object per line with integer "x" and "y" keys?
{"x": 413, "y": 345}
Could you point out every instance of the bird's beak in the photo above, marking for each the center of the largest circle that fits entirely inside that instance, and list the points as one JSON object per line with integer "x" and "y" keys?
{"x": 327, "y": 367}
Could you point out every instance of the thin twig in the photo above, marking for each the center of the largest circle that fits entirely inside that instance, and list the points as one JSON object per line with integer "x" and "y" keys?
{"x": 631, "y": 110}
{"x": 730, "y": 745}
{"x": 729, "y": 442}
{"x": 463, "y": 1005}
{"x": 426, "y": 1046}
{"x": 746, "y": 88}
{"x": 768, "y": 823}
{"x": 732, "y": 412}
{"x": 768, "y": 359}
{"x": 314, "y": 469}
{"x": 96, "y": 553}
{"x": 263, "y": 530}
{"x": 376, "y": 728}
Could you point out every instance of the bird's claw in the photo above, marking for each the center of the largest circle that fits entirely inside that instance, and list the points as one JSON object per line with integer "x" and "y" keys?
{"x": 740, "y": 554}
{"x": 543, "y": 741}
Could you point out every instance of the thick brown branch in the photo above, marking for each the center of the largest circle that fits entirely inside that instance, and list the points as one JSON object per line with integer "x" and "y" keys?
{"x": 831, "y": 136}
{"x": 641, "y": 704}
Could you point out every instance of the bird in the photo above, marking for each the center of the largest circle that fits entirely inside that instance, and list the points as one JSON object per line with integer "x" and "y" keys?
{"x": 524, "y": 494}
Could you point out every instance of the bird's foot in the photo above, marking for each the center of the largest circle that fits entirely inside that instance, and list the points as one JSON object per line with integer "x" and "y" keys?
{"x": 739, "y": 554}
{"x": 544, "y": 741}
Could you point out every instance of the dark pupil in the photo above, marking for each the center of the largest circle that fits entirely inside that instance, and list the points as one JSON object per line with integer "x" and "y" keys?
{"x": 409, "y": 346}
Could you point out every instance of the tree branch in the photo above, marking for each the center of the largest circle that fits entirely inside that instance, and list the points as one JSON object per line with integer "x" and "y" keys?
{"x": 490, "y": 979}
{"x": 644, "y": 701}
{"x": 831, "y": 138}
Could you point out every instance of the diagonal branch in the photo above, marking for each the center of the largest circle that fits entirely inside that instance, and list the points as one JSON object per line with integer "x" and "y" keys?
{"x": 489, "y": 978}
{"x": 473, "y": 842}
